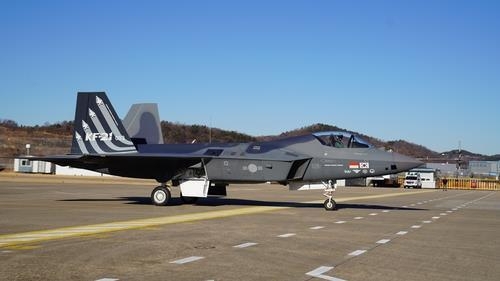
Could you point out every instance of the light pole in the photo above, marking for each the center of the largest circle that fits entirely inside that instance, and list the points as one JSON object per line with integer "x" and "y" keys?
{"x": 498, "y": 168}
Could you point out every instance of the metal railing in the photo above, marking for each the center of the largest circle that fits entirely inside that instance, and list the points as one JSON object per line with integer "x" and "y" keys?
{"x": 464, "y": 183}
{"x": 470, "y": 183}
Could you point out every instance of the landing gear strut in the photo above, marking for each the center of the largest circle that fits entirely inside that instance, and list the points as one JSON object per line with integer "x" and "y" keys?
{"x": 330, "y": 204}
{"x": 161, "y": 195}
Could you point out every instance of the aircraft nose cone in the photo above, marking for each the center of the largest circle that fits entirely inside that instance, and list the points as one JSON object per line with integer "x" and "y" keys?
{"x": 405, "y": 163}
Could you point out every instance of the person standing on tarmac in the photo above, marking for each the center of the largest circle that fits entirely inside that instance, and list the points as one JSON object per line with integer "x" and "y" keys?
{"x": 445, "y": 183}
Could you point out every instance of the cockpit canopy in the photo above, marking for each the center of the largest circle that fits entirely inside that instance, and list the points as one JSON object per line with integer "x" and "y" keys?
{"x": 341, "y": 139}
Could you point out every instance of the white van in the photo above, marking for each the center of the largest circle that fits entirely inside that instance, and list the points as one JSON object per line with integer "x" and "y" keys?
{"x": 412, "y": 180}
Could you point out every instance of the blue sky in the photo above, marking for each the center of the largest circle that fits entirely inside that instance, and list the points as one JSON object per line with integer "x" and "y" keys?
{"x": 424, "y": 71}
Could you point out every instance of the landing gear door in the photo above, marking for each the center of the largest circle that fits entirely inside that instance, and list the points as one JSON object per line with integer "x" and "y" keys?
{"x": 195, "y": 187}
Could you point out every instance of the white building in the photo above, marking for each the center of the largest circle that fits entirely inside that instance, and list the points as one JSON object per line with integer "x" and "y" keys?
{"x": 23, "y": 165}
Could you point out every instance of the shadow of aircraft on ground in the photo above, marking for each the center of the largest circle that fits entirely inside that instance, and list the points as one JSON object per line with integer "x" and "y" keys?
{"x": 214, "y": 202}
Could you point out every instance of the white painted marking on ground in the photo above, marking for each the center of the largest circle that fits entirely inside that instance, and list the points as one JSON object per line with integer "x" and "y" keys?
{"x": 316, "y": 227}
{"x": 358, "y": 218}
{"x": 286, "y": 235}
{"x": 6, "y": 252}
{"x": 373, "y": 214}
{"x": 245, "y": 245}
{"x": 443, "y": 214}
{"x": 357, "y": 253}
{"x": 404, "y": 206}
{"x": 416, "y": 226}
{"x": 402, "y": 233}
{"x": 107, "y": 279}
{"x": 385, "y": 211}
{"x": 454, "y": 209}
{"x": 340, "y": 222}
{"x": 426, "y": 221}
{"x": 320, "y": 270}
{"x": 318, "y": 273}
{"x": 187, "y": 260}
{"x": 383, "y": 241}
{"x": 435, "y": 218}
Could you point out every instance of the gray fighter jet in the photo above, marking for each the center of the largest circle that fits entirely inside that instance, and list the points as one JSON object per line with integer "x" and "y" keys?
{"x": 315, "y": 161}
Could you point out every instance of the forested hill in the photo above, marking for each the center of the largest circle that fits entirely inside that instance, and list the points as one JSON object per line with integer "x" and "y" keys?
{"x": 56, "y": 139}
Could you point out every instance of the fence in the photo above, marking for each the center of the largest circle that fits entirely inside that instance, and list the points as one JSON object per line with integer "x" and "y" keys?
{"x": 464, "y": 183}
{"x": 470, "y": 183}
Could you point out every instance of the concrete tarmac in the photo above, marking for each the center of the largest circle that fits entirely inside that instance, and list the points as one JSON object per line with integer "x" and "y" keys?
{"x": 66, "y": 228}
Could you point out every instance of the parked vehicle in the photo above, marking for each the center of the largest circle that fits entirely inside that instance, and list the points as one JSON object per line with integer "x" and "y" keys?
{"x": 412, "y": 180}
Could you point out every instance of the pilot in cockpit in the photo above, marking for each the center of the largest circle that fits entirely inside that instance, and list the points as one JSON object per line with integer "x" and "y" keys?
{"x": 336, "y": 141}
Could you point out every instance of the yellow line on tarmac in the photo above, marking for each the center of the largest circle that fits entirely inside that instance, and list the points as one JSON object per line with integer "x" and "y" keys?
{"x": 13, "y": 240}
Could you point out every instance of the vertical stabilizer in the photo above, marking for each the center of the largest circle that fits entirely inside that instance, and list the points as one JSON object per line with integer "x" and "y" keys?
{"x": 143, "y": 122}
{"x": 97, "y": 127}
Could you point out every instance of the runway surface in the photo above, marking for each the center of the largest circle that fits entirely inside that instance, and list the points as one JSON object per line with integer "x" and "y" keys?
{"x": 56, "y": 228}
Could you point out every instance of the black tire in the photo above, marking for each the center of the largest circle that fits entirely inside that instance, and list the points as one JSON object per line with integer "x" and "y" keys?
{"x": 189, "y": 199}
{"x": 160, "y": 196}
{"x": 330, "y": 205}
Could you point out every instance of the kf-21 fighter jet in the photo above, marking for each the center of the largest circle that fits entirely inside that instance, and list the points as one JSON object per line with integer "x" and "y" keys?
{"x": 315, "y": 161}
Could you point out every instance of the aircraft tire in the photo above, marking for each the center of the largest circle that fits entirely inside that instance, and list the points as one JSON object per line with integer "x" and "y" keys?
{"x": 160, "y": 196}
{"x": 189, "y": 199}
{"x": 330, "y": 205}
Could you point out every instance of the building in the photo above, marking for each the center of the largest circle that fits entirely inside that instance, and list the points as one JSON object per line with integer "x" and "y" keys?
{"x": 23, "y": 165}
{"x": 484, "y": 169}
{"x": 445, "y": 169}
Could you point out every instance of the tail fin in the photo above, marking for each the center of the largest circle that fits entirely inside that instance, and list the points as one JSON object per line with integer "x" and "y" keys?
{"x": 97, "y": 128}
{"x": 143, "y": 122}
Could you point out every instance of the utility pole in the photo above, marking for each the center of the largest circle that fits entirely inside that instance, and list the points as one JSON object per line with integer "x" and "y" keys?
{"x": 459, "y": 159}
{"x": 498, "y": 168}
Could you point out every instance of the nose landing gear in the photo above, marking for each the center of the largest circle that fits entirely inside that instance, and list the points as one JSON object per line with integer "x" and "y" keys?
{"x": 330, "y": 204}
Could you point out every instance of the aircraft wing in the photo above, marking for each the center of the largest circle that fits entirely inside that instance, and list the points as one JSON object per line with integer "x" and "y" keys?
{"x": 142, "y": 158}
{"x": 159, "y": 166}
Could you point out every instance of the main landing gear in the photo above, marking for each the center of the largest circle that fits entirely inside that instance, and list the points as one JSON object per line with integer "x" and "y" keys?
{"x": 330, "y": 204}
{"x": 161, "y": 195}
